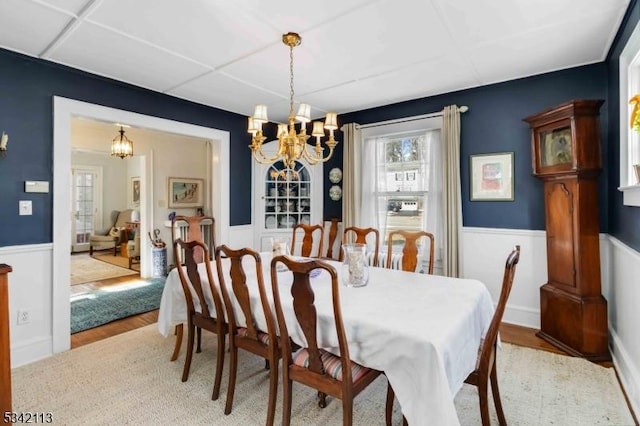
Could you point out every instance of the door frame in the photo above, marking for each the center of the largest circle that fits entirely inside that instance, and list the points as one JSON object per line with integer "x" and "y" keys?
{"x": 63, "y": 111}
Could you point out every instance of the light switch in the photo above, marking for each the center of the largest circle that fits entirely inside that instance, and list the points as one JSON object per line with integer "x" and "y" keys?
{"x": 25, "y": 207}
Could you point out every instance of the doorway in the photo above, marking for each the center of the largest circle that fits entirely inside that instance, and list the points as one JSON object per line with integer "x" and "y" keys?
{"x": 86, "y": 205}
{"x": 64, "y": 111}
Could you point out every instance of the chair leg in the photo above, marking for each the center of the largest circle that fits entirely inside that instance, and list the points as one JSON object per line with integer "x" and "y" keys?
{"x": 219, "y": 365}
{"x": 176, "y": 349}
{"x": 90, "y": 250}
{"x": 389, "y": 408}
{"x": 233, "y": 370}
{"x": 199, "y": 348}
{"x": 187, "y": 360}
{"x": 322, "y": 399}
{"x": 347, "y": 411}
{"x": 389, "y": 405}
{"x": 286, "y": 397}
{"x": 273, "y": 393}
{"x": 496, "y": 395}
{"x": 484, "y": 401}
{"x": 115, "y": 250}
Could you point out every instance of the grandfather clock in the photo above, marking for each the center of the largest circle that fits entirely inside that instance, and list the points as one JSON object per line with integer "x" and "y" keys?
{"x": 565, "y": 146}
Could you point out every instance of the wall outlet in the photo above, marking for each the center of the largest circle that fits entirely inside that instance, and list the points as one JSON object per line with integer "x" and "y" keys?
{"x": 24, "y": 317}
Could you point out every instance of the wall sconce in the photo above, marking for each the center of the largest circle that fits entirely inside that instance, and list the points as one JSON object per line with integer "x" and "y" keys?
{"x": 4, "y": 139}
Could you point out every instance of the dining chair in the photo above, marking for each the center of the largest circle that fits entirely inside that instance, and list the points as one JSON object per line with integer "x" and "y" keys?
{"x": 361, "y": 238}
{"x": 410, "y": 249}
{"x": 190, "y": 228}
{"x": 201, "y": 316}
{"x": 485, "y": 370}
{"x": 312, "y": 238}
{"x": 312, "y": 366}
{"x": 248, "y": 336}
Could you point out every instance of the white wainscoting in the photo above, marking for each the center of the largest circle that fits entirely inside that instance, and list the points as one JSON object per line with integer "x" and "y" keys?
{"x": 30, "y": 288}
{"x": 241, "y": 236}
{"x": 624, "y": 317}
{"x": 485, "y": 251}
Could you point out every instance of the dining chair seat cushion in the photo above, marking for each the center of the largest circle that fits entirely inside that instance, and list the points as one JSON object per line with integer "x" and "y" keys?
{"x": 263, "y": 337}
{"x": 331, "y": 363}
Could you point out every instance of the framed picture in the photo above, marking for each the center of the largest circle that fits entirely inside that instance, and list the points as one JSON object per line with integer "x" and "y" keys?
{"x": 185, "y": 192}
{"x": 492, "y": 177}
{"x": 135, "y": 191}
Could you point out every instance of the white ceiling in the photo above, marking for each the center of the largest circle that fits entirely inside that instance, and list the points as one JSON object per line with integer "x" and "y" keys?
{"x": 355, "y": 54}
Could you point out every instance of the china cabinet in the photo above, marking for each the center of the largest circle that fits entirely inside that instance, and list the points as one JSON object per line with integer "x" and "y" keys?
{"x": 285, "y": 197}
{"x": 565, "y": 144}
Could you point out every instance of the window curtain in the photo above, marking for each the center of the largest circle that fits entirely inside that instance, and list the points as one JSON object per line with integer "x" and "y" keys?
{"x": 351, "y": 174}
{"x": 451, "y": 198}
{"x": 434, "y": 220}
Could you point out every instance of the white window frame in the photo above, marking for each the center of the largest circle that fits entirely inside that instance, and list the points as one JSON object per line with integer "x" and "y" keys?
{"x": 629, "y": 139}
{"x": 397, "y": 128}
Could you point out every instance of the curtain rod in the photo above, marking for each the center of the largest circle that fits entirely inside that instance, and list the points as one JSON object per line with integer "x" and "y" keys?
{"x": 462, "y": 109}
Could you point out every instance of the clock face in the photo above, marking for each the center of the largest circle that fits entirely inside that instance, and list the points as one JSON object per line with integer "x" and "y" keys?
{"x": 556, "y": 147}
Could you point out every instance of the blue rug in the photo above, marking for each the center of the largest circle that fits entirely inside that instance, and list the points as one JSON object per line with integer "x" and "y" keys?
{"x": 103, "y": 306}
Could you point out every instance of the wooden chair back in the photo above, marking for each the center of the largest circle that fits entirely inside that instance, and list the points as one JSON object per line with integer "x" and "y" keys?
{"x": 247, "y": 335}
{"x": 200, "y": 317}
{"x": 311, "y": 237}
{"x": 361, "y": 238}
{"x": 486, "y": 371}
{"x": 410, "y": 249}
{"x": 194, "y": 231}
{"x": 241, "y": 293}
{"x": 314, "y": 373}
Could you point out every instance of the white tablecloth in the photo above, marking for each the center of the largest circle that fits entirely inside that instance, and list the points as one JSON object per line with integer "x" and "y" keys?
{"x": 423, "y": 331}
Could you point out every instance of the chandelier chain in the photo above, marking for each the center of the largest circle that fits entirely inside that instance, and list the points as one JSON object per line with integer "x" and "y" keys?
{"x": 291, "y": 92}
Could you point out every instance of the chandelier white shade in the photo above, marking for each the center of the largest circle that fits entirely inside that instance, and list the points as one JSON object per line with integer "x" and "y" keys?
{"x": 121, "y": 146}
{"x": 292, "y": 143}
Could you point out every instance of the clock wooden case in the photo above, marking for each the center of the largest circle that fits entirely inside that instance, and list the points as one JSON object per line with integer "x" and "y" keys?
{"x": 565, "y": 146}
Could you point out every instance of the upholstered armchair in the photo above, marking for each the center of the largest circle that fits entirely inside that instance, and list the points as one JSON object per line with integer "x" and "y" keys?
{"x": 112, "y": 237}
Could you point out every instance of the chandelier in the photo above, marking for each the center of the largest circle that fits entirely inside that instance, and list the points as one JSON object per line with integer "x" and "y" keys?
{"x": 292, "y": 144}
{"x": 121, "y": 146}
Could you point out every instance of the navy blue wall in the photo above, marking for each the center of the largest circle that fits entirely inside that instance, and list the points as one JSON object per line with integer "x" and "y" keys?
{"x": 494, "y": 124}
{"x": 27, "y": 87}
{"x": 623, "y": 220}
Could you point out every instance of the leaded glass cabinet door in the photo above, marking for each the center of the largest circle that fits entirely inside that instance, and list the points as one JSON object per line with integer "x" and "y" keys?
{"x": 285, "y": 197}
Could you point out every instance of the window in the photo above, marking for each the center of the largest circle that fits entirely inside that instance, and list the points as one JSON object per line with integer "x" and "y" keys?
{"x": 401, "y": 185}
{"x": 629, "y": 138}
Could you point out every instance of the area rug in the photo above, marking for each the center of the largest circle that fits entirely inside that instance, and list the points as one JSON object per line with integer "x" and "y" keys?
{"x": 86, "y": 269}
{"x": 121, "y": 261}
{"x": 98, "y": 307}
{"x": 128, "y": 379}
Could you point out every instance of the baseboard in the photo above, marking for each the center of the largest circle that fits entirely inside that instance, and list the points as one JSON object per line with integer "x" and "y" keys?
{"x": 627, "y": 373}
{"x": 30, "y": 351}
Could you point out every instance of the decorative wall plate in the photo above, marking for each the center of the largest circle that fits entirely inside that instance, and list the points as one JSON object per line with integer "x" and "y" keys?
{"x": 335, "y": 193}
{"x": 271, "y": 222}
{"x": 335, "y": 175}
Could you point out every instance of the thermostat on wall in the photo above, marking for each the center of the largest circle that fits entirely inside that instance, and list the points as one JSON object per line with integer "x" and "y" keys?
{"x": 36, "y": 186}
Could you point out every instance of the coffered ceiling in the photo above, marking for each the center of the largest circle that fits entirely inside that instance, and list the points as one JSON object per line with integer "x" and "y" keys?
{"x": 355, "y": 54}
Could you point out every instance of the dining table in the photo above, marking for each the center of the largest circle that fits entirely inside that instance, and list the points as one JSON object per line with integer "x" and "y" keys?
{"x": 423, "y": 331}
